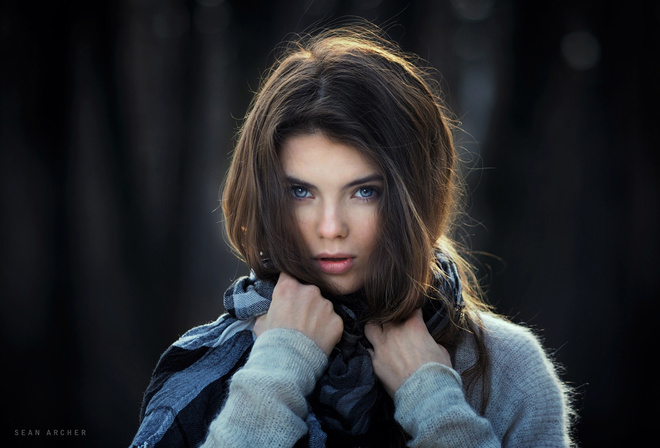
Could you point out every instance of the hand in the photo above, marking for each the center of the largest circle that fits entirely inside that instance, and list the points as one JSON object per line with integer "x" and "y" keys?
{"x": 302, "y": 308}
{"x": 401, "y": 349}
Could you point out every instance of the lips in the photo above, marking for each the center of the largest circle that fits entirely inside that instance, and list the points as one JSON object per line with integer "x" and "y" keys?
{"x": 334, "y": 263}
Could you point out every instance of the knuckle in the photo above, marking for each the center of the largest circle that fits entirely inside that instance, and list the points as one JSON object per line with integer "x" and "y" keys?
{"x": 312, "y": 290}
{"x": 338, "y": 322}
{"x": 327, "y": 306}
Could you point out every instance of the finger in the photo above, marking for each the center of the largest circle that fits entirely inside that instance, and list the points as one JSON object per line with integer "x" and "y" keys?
{"x": 373, "y": 331}
{"x": 284, "y": 279}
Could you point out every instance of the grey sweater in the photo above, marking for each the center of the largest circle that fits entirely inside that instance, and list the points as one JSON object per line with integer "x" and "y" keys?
{"x": 528, "y": 405}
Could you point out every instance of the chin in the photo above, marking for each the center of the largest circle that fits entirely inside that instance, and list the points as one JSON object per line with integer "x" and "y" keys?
{"x": 345, "y": 286}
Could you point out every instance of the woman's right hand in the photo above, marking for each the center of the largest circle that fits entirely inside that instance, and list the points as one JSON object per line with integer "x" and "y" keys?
{"x": 302, "y": 308}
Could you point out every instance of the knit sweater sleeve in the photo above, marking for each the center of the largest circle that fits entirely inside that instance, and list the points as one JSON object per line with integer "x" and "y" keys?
{"x": 528, "y": 404}
{"x": 266, "y": 405}
{"x": 431, "y": 407}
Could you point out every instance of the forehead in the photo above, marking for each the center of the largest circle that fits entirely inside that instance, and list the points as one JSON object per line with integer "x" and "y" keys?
{"x": 316, "y": 155}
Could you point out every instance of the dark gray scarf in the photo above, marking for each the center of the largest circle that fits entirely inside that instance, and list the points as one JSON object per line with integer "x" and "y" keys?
{"x": 348, "y": 401}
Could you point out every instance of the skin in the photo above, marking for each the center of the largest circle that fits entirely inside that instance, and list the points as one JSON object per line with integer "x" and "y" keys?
{"x": 401, "y": 349}
{"x": 302, "y": 308}
{"x": 336, "y": 192}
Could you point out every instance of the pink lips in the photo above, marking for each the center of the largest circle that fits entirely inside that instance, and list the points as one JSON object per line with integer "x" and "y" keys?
{"x": 334, "y": 264}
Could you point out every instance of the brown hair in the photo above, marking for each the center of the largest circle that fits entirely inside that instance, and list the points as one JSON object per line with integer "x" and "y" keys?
{"x": 356, "y": 87}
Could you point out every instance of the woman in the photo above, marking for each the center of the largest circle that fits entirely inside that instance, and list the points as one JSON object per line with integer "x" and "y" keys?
{"x": 360, "y": 324}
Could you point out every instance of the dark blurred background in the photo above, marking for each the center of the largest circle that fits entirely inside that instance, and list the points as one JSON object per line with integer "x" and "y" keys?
{"x": 116, "y": 123}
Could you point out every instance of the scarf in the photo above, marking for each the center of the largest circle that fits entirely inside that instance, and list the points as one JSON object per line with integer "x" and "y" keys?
{"x": 351, "y": 406}
{"x": 348, "y": 406}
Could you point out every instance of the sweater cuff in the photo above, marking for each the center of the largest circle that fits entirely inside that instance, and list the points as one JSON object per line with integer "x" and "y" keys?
{"x": 289, "y": 353}
{"x": 266, "y": 405}
{"x": 433, "y": 381}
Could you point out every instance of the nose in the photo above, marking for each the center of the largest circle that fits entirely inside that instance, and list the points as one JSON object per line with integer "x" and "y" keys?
{"x": 332, "y": 223}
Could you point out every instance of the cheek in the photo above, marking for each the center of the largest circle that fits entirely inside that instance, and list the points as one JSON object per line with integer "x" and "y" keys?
{"x": 305, "y": 224}
{"x": 369, "y": 229}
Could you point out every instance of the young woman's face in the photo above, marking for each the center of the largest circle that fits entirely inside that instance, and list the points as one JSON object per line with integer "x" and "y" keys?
{"x": 335, "y": 192}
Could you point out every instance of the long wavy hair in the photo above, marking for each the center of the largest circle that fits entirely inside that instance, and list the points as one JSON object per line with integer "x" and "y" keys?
{"x": 356, "y": 87}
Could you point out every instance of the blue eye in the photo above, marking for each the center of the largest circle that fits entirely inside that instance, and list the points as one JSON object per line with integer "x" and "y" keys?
{"x": 300, "y": 192}
{"x": 366, "y": 192}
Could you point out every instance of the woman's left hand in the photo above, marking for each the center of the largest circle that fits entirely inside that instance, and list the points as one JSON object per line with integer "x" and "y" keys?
{"x": 401, "y": 349}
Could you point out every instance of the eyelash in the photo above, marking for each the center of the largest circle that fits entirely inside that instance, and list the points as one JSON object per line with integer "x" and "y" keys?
{"x": 375, "y": 193}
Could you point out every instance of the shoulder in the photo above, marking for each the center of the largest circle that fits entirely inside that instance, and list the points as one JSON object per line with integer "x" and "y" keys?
{"x": 221, "y": 341}
{"x": 191, "y": 377}
{"x": 510, "y": 340}
{"x": 507, "y": 343}
{"x": 517, "y": 356}
{"x": 524, "y": 382}
{"x": 514, "y": 347}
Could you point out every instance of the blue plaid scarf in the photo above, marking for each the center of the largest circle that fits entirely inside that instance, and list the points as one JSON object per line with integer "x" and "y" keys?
{"x": 348, "y": 407}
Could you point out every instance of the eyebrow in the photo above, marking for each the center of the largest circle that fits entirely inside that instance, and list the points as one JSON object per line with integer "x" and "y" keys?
{"x": 353, "y": 183}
